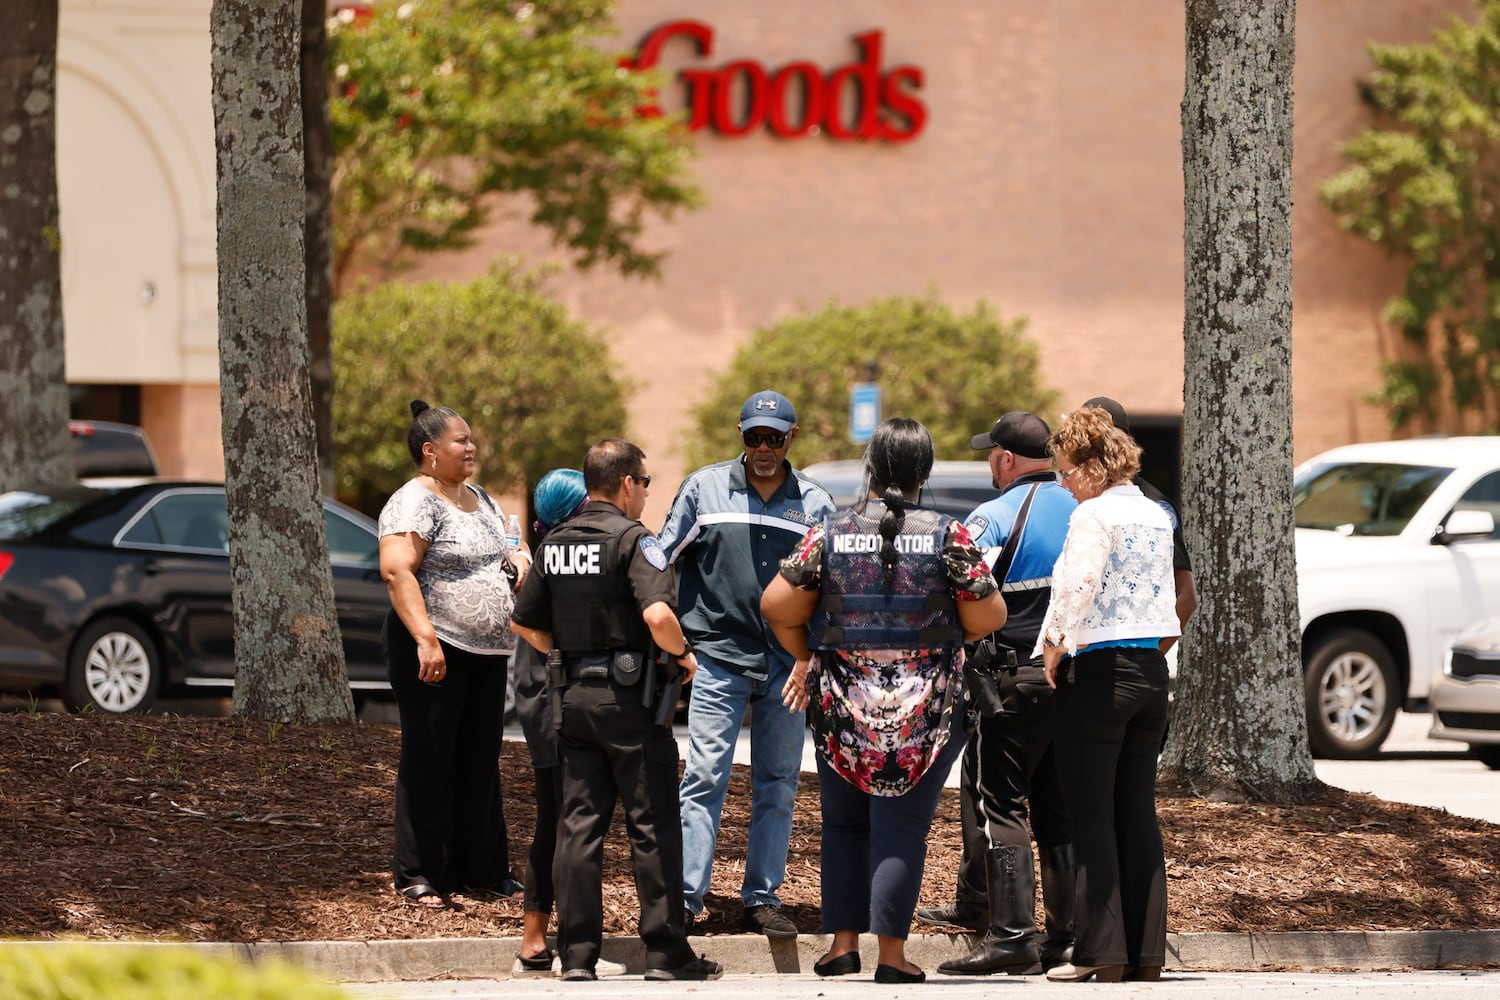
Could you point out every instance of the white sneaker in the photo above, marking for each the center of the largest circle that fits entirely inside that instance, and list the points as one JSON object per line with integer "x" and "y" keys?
{"x": 602, "y": 967}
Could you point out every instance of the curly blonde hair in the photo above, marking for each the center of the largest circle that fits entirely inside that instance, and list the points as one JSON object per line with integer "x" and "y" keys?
{"x": 1090, "y": 434}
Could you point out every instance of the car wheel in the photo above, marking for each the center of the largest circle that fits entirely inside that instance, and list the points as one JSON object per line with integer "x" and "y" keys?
{"x": 114, "y": 668}
{"x": 1488, "y": 754}
{"x": 1350, "y": 688}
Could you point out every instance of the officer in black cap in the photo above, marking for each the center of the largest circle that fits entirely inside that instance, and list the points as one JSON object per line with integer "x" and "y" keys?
{"x": 601, "y": 594}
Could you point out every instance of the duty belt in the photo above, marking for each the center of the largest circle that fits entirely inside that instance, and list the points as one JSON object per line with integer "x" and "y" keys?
{"x": 589, "y": 668}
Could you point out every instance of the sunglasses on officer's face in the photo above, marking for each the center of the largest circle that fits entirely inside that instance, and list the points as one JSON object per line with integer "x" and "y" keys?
{"x": 771, "y": 439}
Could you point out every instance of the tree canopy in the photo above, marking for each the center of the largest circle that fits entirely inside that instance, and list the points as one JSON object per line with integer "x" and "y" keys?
{"x": 1424, "y": 187}
{"x": 536, "y": 386}
{"x": 955, "y": 372}
{"x": 437, "y": 103}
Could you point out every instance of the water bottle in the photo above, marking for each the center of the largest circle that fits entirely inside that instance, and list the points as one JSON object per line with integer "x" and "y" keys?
{"x": 513, "y": 531}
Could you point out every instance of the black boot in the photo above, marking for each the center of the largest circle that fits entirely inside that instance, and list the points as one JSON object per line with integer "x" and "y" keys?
{"x": 957, "y": 915}
{"x": 1059, "y": 884}
{"x": 1010, "y": 943}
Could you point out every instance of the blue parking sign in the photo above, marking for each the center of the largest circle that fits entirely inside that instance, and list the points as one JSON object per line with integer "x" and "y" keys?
{"x": 864, "y": 411}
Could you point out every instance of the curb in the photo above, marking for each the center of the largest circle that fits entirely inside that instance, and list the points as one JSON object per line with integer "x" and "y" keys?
{"x": 745, "y": 954}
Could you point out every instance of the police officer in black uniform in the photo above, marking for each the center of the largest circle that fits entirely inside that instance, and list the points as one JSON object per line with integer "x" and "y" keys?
{"x": 601, "y": 594}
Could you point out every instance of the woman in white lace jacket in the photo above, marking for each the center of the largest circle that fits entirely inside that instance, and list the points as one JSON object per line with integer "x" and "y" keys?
{"x": 1113, "y": 601}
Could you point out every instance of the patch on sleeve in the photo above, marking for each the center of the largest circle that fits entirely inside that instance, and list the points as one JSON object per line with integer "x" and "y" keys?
{"x": 977, "y": 524}
{"x": 652, "y": 550}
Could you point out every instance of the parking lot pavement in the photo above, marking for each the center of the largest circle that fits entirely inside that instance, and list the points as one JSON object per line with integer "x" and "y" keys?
{"x": 1206, "y": 985}
{"x": 1412, "y": 768}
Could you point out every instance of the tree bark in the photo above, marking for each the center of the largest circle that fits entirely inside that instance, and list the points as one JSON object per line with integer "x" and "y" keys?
{"x": 33, "y": 384}
{"x": 289, "y": 658}
{"x": 1238, "y": 728}
{"x": 318, "y": 166}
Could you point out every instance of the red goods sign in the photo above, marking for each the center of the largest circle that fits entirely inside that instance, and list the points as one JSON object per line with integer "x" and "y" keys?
{"x": 856, "y": 101}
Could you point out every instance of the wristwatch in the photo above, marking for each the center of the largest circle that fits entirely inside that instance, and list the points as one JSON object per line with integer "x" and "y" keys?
{"x": 687, "y": 647}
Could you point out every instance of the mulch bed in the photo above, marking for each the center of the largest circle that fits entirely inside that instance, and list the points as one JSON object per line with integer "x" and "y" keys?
{"x": 228, "y": 830}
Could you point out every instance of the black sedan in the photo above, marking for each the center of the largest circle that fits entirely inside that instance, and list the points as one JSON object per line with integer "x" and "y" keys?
{"x": 114, "y": 594}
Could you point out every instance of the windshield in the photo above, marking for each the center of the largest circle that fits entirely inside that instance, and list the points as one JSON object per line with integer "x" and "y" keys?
{"x": 24, "y": 513}
{"x": 1363, "y": 498}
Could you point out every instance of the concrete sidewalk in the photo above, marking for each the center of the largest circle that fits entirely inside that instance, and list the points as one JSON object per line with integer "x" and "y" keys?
{"x": 745, "y": 954}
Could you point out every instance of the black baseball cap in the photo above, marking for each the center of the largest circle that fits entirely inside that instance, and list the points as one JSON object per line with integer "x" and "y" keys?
{"x": 1115, "y": 410}
{"x": 1024, "y": 433}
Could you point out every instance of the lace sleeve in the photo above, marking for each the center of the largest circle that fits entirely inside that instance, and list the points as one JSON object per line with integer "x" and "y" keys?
{"x": 1076, "y": 578}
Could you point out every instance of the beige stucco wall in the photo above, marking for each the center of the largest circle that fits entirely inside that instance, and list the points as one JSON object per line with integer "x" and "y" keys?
{"x": 137, "y": 192}
{"x": 1048, "y": 181}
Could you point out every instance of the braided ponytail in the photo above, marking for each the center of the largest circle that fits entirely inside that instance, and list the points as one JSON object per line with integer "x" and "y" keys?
{"x": 890, "y": 527}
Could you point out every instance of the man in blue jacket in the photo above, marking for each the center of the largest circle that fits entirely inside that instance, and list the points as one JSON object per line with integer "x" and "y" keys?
{"x": 730, "y": 526}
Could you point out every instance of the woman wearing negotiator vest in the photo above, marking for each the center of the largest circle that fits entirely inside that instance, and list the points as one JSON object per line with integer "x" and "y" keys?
{"x": 1113, "y": 601}
{"x": 895, "y": 591}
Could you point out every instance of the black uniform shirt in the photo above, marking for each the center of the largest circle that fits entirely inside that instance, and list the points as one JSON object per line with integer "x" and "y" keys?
{"x": 561, "y": 572}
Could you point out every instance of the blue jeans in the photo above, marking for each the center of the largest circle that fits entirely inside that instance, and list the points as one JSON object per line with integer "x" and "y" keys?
{"x": 716, "y": 712}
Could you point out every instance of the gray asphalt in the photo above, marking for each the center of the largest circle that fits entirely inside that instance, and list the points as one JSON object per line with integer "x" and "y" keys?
{"x": 1199, "y": 986}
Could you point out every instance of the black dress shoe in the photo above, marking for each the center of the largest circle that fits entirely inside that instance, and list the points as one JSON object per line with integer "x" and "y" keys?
{"x": 840, "y": 965}
{"x": 891, "y": 974}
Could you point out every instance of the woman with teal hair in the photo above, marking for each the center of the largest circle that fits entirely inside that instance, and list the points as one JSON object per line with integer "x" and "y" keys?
{"x": 558, "y": 496}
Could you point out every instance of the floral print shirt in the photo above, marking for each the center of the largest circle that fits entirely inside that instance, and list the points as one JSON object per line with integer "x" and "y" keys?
{"x": 880, "y": 717}
{"x": 468, "y": 596}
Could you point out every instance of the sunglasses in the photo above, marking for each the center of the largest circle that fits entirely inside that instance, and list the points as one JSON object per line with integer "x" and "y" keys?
{"x": 645, "y": 481}
{"x": 771, "y": 439}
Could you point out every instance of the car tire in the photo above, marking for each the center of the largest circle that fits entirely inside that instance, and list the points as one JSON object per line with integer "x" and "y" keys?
{"x": 1488, "y": 754}
{"x": 1350, "y": 688}
{"x": 114, "y": 668}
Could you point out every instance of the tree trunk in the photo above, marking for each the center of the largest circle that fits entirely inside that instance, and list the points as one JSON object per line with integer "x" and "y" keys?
{"x": 289, "y": 658}
{"x": 33, "y": 385}
{"x": 318, "y": 165}
{"x": 1238, "y": 728}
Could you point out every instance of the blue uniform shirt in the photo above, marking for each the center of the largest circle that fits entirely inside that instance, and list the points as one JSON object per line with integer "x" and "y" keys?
{"x": 728, "y": 544}
{"x": 1027, "y": 586}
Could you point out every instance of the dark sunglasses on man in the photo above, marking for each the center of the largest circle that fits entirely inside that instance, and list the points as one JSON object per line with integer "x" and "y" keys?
{"x": 771, "y": 439}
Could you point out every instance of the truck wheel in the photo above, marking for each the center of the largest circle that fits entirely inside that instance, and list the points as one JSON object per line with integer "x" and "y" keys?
{"x": 1488, "y": 754}
{"x": 1350, "y": 687}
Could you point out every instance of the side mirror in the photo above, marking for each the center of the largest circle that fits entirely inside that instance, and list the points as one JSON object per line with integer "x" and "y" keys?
{"x": 1462, "y": 524}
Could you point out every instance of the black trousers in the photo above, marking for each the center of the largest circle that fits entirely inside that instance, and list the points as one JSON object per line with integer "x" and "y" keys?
{"x": 612, "y": 750}
{"x": 1112, "y": 712}
{"x": 450, "y": 823}
{"x": 540, "y": 890}
{"x": 1009, "y": 792}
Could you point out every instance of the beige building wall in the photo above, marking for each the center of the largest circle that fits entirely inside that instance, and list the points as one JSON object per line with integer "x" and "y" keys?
{"x": 137, "y": 192}
{"x": 1048, "y": 180}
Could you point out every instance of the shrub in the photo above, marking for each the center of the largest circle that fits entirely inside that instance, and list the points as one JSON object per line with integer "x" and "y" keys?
{"x": 955, "y": 372}
{"x": 122, "y": 972}
{"x": 536, "y": 386}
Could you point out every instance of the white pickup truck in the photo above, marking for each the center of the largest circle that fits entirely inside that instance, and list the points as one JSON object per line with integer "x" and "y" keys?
{"x": 1397, "y": 551}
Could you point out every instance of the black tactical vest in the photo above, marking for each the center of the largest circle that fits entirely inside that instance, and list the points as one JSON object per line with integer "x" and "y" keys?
{"x": 594, "y": 609}
{"x": 856, "y": 609}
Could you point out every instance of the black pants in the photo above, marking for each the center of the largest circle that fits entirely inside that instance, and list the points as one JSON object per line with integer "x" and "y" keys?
{"x": 450, "y": 824}
{"x": 611, "y": 750}
{"x": 1009, "y": 791}
{"x": 540, "y": 890}
{"x": 1112, "y": 712}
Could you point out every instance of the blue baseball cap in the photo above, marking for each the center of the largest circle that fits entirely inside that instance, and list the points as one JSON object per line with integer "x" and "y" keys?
{"x": 768, "y": 409}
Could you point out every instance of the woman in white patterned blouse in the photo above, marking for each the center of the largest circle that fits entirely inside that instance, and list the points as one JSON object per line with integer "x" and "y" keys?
{"x": 1112, "y": 604}
{"x": 449, "y": 568}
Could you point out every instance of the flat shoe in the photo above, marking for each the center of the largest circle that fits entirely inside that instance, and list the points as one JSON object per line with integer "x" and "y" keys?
{"x": 891, "y": 974}
{"x": 1070, "y": 973}
{"x": 424, "y": 895}
{"x": 602, "y": 967}
{"x": 539, "y": 964}
{"x": 840, "y": 965}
